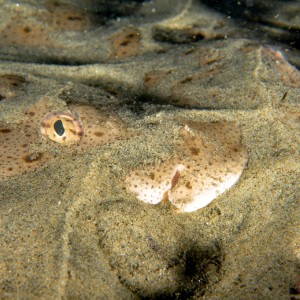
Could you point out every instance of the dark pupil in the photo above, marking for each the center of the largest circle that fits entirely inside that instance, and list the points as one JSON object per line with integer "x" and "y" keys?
{"x": 59, "y": 127}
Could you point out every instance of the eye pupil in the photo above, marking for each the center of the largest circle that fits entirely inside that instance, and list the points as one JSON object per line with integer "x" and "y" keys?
{"x": 59, "y": 127}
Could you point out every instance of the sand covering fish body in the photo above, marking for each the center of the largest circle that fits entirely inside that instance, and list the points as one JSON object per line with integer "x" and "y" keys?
{"x": 209, "y": 158}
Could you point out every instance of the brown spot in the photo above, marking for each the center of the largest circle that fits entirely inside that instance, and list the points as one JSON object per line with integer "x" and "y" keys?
{"x": 98, "y": 133}
{"x": 194, "y": 151}
{"x": 5, "y": 130}
{"x": 12, "y": 80}
{"x": 31, "y": 113}
{"x": 10, "y": 85}
{"x": 188, "y": 52}
{"x": 153, "y": 78}
{"x": 80, "y": 133}
{"x": 66, "y": 16}
{"x": 161, "y": 51}
{"x": 20, "y": 34}
{"x": 27, "y": 29}
{"x": 175, "y": 179}
{"x": 152, "y": 176}
{"x": 73, "y": 131}
{"x": 30, "y": 158}
{"x": 74, "y": 18}
{"x": 186, "y": 80}
{"x": 188, "y": 185}
{"x": 37, "y": 30}
{"x": 180, "y": 91}
{"x": 131, "y": 35}
{"x": 126, "y": 43}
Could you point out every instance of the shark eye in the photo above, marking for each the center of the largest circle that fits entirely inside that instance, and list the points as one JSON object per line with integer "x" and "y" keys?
{"x": 63, "y": 128}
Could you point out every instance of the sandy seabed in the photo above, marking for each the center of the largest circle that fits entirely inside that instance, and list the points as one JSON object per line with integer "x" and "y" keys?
{"x": 70, "y": 229}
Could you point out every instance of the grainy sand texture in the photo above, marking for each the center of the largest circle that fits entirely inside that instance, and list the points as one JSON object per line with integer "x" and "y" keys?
{"x": 117, "y": 118}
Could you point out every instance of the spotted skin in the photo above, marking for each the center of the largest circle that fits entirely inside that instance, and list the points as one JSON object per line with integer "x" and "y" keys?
{"x": 79, "y": 128}
{"x": 210, "y": 159}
